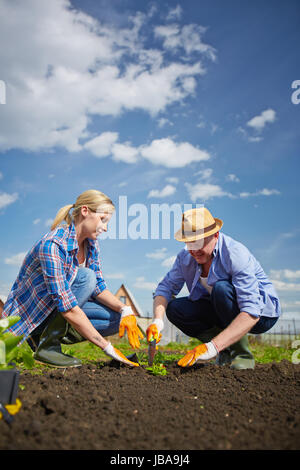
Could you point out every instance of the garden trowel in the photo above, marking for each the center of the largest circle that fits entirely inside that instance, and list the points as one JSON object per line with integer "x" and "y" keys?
{"x": 151, "y": 351}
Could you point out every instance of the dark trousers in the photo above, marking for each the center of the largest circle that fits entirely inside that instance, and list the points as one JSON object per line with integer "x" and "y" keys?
{"x": 193, "y": 318}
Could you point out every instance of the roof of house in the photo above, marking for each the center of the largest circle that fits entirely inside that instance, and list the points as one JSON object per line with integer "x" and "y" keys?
{"x": 133, "y": 300}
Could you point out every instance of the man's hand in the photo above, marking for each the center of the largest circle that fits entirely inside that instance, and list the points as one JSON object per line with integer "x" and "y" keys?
{"x": 116, "y": 354}
{"x": 203, "y": 352}
{"x": 154, "y": 330}
{"x": 128, "y": 323}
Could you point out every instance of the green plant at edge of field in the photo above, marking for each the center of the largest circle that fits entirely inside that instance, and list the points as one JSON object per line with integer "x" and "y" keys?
{"x": 9, "y": 346}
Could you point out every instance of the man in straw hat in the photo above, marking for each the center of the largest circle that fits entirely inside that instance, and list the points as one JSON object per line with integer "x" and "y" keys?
{"x": 230, "y": 295}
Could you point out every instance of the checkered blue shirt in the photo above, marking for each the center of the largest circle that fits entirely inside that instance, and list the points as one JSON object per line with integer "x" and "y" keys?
{"x": 45, "y": 278}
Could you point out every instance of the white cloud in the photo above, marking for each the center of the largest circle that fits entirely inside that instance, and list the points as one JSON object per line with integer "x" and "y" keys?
{"x": 163, "y": 122}
{"x": 261, "y": 192}
{"x": 290, "y": 304}
{"x": 174, "y": 13}
{"x": 259, "y": 122}
{"x": 163, "y": 152}
{"x": 159, "y": 253}
{"x": 49, "y": 222}
{"x": 62, "y": 67}
{"x": 233, "y": 178}
{"x": 285, "y": 273}
{"x": 140, "y": 283}
{"x": 125, "y": 152}
{"x": 7, "y": 199}
{"x": 201, "y": 124}
{"x": 5, "y": 288}
{"x": 36, "y": 221}
{"x": 172, "y": 179}
{"x": 168, "y": 190}
{"x": 285, "y": 286}
{"x": 171, "y": 154}
{"x": 214, "y": 128}
{"x": 204, "y": 191}
{"x": 101, "y": 146}
{"x": 15, "y": 260}
{"x": 188, "y": 38}
{"x": 205, "y": 174}
{"x": 255, "y": 139}
{"x": 168, "y": 262}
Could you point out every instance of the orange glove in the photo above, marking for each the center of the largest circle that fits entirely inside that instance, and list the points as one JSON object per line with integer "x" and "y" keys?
{"x": 152, "y": 333}
{"x": 116, "y": 354}
{"x": 128, "y": 323}
{"x": 203, "y": 352}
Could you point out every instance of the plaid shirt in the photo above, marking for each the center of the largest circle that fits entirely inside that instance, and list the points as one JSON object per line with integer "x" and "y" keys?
{"x": 45, "y": 278}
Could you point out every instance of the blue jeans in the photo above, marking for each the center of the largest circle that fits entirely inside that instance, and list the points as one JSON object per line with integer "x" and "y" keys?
{"x": 105, "y": 320}
{"x": 193, "y": 318}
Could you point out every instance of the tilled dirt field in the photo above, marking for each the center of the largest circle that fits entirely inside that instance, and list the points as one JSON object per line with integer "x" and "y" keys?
{"x": 204, "y": 407}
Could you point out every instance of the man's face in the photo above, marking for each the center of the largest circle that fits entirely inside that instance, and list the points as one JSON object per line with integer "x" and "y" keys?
{"x": 203, "y": 250}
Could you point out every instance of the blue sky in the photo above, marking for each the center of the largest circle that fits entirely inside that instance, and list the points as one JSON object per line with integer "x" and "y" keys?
{"x": 178, "y": 102}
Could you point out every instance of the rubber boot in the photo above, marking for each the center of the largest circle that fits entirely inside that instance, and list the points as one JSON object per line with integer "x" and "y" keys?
{"x": 33, "y": 341}
{"x": 49, "y": 349}
{"x": 224, "y": 357}
{"x": 241, "y": 356}
{"x": 72, "y": 336}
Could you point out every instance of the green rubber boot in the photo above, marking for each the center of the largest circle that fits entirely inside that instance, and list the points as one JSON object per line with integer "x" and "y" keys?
{"x": 49, "y": 349}
{"x": 241, "y": 356}
{"x": 72, "y": 336}
{"x": 224, "y": 357}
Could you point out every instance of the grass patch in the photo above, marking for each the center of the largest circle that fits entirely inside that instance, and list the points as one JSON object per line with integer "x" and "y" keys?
{"x": 167, "y": 354}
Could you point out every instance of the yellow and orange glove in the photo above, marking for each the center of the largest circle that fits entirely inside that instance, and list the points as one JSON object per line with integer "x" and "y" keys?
{"x": 118, "y": 356}
{"x": 154, "y": 330}
{"x": 128, "y": 323}
{"x": 203, "y": 352}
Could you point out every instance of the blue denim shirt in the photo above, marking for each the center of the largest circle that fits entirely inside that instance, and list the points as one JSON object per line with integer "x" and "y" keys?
{"x": 233, "y": 262}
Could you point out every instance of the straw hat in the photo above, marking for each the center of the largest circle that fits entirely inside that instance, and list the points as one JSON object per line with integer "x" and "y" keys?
{"x": 197, "y": 224}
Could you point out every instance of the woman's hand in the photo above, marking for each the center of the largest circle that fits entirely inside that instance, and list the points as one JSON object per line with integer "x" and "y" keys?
{"x": 128, "y": 323}
{"x": 118, "y": 356}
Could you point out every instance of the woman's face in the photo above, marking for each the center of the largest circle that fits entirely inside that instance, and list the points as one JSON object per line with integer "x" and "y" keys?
{"x": 94, "y": 223}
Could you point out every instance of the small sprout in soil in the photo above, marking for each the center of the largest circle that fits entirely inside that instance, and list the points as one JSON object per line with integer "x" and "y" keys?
{"x": 157, "y": 369}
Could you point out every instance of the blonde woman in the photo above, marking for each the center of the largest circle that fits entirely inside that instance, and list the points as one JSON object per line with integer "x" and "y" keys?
{"x": 60, "y": 293}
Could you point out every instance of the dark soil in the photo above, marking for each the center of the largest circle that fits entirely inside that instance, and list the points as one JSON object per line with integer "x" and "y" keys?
{"x": 204, "y": 407}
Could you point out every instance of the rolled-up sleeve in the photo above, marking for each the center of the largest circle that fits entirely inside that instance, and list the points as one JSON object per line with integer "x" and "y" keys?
{"x": 95, "y": 265}
{"x": 52, "y": 259}
{"x": 245, "y": 282}
{"x": 172, "y": 283}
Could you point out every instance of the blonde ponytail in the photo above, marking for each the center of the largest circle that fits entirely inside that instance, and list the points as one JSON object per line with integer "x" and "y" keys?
{"x": 62, "y": 215}
{"x": 95, "y": 200}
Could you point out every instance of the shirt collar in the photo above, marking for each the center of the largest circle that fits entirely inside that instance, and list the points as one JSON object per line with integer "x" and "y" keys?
{"x": 72, "y": 240}
{"x": 216, "y": 249}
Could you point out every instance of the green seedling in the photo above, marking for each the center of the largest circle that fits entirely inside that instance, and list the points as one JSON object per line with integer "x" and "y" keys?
{"x": 157, "y": 369}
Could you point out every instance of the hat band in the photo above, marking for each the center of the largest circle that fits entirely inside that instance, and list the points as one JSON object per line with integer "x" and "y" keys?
{"x": 187, "y": 233}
